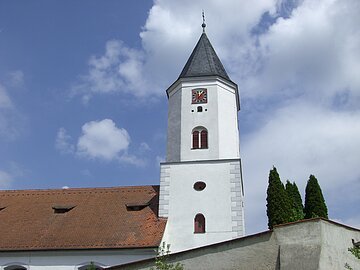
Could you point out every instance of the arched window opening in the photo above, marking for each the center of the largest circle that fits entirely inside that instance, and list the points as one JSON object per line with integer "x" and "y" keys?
{"x": 15, "y": 267}
{"x": 204, "y": 139}
{"x": 195, "y": 139}
{"x": 199, "y": 223}
{"x": 199, "y": 138}
{"x": 199, "y": 109}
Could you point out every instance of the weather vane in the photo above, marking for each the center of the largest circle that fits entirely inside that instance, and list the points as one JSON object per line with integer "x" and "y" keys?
{"x": 203, "y": 24}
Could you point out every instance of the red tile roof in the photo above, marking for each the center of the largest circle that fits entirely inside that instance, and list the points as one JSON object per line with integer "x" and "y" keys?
{"x": 92, "y": 218}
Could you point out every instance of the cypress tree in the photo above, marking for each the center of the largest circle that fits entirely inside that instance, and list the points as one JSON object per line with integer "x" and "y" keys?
{"x": 278, "y": 205}
{"x": 295, "y": 201}
{"x": 314, "y": 200}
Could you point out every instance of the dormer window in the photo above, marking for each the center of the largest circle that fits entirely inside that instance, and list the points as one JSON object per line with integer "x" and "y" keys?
{"x": 136, "y": 206}
{"x": 62, "y": 209}
{"x": 15, "y": 267}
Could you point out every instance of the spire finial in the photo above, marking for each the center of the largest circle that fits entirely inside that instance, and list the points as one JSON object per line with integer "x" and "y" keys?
{"x": 203, "y": 24}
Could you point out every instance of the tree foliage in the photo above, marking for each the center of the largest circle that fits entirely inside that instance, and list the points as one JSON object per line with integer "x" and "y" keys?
{"x": 297, "y": 210}
{"x": 278, "y": 205}
{"x": 91, "y": 266}
{"x": 314, "y": 200}
{"x": 354, "y": 251}
{"x": 162, "y": 260}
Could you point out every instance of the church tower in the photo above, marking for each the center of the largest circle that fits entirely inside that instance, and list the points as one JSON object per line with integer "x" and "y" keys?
{"x": 201, "y": 187}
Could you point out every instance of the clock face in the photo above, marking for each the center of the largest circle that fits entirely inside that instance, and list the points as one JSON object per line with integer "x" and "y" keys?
{"x": 199, "y": 96}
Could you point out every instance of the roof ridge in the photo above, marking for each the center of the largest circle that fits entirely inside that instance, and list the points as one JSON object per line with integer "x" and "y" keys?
{"x": 62, "y": 190}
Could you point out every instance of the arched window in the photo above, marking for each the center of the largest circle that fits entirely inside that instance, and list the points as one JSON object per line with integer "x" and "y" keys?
{"x": 199, "y": 223}
{"x": 204, "y": 139}
{"x": 199, "y": 108}
{"x": 195, "y": 138}
{"x": 199, "y": 138}
{"x": 14, "y": 267}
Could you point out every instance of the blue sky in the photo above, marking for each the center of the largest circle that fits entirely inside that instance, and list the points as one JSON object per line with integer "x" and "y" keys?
{"x": 83, "y": 103}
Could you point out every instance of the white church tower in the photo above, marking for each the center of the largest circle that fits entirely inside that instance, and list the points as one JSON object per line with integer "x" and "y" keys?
{"x": 201, "y": 187}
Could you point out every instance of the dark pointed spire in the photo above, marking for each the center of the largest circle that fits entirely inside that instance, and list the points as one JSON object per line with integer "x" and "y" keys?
{"x": 203, "y": 61}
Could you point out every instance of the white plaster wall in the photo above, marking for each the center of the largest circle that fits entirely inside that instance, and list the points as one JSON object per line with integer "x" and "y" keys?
{"x": 316, "y": 245}
{"x": 228, "y": 129}
{"x": 70, "y": 260}
{"x": 219, "y": 117}
{"x": 335, "y": 241}
{"x": 305, "y": 245}
{"x": 174, "y": 126}
{"x": 215, "y": 202}
{"x": 207, "y": 119}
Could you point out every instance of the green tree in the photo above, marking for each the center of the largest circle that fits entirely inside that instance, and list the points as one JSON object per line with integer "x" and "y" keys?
{"x": 278, "y": 205}
{"x": 314, "y": 200}
{"x": 355, "y": 250}
{"x": 294, "y": 196}
{"x": 91, "y": 266}
{"x": 161, "y": 261}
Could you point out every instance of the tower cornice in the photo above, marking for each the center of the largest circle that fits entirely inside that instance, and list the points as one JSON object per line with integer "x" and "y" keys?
{"x": 195, "y": 79}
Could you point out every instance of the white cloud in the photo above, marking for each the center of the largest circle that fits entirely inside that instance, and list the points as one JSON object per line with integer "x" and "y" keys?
{"x": 118, "y": 70}
{"x": 301, "y": 140}
{"x": 16, "y": 78}
{"x": 299, "y": 81}
{"x": 132, "y": 159}
{"x": 103, "y": 140}
{"x": 62, "y": 142}
{"x": 5, "y": 179}
{"x": 158, "y": 160}
{"x": 5, "y": 101}
{"x": 298, "y": 77}
{"x": 314, "y": 53}
{"x": 144, "y": 147}
{"x": 86, "y": 172}
{"x": 315, "y": 49}
{"x": 10, "y": 118}
{"x": 168, "y": 36}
